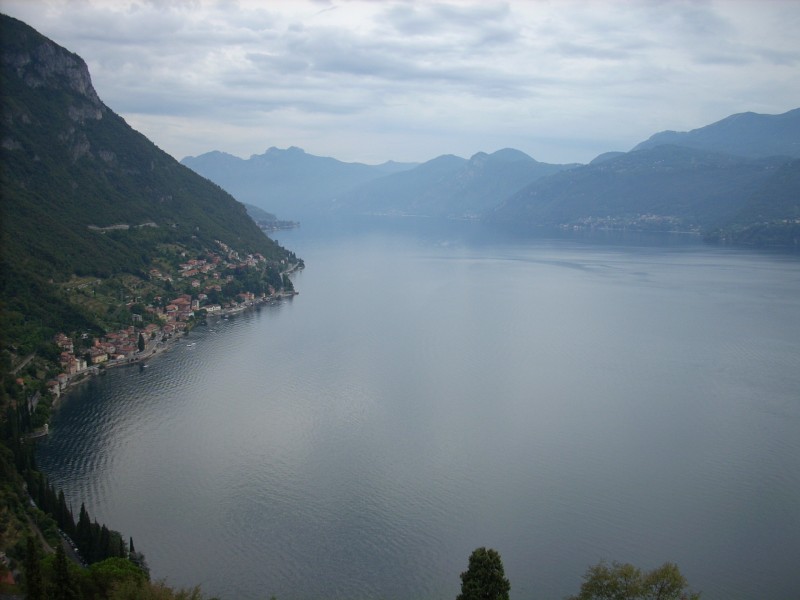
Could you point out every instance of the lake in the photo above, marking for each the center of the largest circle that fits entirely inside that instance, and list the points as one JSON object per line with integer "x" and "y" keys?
{"x": 439, "y": 387}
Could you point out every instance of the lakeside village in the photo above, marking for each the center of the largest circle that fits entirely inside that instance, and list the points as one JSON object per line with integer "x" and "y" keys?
{"x": 168, "y": 319}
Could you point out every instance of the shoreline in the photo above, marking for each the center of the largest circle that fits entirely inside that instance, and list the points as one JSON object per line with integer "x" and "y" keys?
{"x": 162, "y": 344}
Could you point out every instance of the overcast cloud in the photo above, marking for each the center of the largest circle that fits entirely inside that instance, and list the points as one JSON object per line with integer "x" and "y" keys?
{"x": 373, "y": 81}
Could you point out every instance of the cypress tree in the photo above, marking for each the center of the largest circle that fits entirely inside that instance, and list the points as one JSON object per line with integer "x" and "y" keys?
{"x": 96, "y": 551}
{"x": 104, "y": 544}
{"x": 63, "y": 587}
{"x": 62, "y": 512}
{"x": 52, "y": 501}
{"x": 83, "y": 533}
{"x": 33, "y": 571}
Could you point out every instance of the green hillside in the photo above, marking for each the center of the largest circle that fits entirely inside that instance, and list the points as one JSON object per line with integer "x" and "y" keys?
{"x": 83, "y": 194}
{"x": 660, "y": 188}
{"x": 99, "y": 232}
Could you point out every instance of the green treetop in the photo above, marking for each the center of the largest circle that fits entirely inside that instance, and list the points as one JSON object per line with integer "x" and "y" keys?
{"x": 485, "y": 578}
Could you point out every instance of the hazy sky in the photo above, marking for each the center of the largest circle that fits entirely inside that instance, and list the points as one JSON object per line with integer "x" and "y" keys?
{"x": 410, "y": 80}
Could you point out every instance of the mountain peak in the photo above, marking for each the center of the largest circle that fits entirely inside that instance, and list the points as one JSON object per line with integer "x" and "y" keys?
{"x": 510, "y": 155}
{"x": 41, "y": 63}
{"x": 275, "y": 151}
{"x": 504, "y": 155}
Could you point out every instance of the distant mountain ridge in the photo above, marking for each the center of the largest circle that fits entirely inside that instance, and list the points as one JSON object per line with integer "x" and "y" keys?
{"x": 745, "y": 134}
{"x": 449, "y": 186}
{"x": 719, "y": 179}
{"x": 288, "y": 183}
{"x": 732, "y": 180}
{"x": 294, "y": 184}
{"x": 662, "y": 188}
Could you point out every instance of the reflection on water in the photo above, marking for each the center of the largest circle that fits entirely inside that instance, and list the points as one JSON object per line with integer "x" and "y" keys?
{"x": 561, "y": 400}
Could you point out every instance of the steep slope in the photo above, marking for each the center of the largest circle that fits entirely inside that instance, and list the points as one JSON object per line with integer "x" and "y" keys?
{"x": 83, "y": 193}
{"x": 450, "y": 186}
{"x": 69, "y": 162}
{"x": 289, "y": 183}
{"x": 744, "y": 134}
{"x": 664, "y": 188}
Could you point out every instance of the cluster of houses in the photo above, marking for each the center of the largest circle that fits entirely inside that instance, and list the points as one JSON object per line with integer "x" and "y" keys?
{"x": 120, "y": 346}
{"x": 123, "y": 346}
{"x": 168, "y": 318}
{"x": 199, "y": 270}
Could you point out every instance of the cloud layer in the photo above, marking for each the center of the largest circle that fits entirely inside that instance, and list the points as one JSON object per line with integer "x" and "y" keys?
{"x": 372, "y": 81}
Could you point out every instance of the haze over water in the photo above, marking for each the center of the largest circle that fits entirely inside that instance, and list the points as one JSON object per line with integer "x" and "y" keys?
{"x": 434, "y": 389}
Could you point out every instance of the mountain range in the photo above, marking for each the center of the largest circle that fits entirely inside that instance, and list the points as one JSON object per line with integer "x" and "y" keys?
{"x": 449, "y": 186}
{"x": 662, "y": 187}
{"x": 289, "y": 183}
{"x": 294, "y": 184}
{"x": 734, "y": 179}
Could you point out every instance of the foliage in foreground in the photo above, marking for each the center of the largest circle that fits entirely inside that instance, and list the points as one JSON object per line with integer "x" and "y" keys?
{"x": 485, "y": 578}
{"x": 55, "y": 578}
{"x": 623, "y": 581}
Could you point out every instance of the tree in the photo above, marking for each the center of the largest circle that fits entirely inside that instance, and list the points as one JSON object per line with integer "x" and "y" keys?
{"x": 485, "y": 578}
{"x": 33, "y": 571}
{"x": 141, "y": 344}
{"x": 113, "y": 572}
{"x": 83, "y": 534}
{"x": 623, "y": 581}
{"x": 63, "y": 587}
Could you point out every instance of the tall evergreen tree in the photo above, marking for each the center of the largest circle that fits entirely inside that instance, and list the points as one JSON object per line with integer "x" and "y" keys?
{"x": 63, "y": 514}
{"x": 485, "y": 577}
{"x": 104, "y": 544}
{"x": 83, "y": 533}
{"x": 95, "y": 553}
{"x": 62, "y": 587}
{"x": 33, "y": 571}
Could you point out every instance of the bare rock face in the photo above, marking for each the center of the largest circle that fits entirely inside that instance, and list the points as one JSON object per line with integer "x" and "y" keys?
{"x": 58, "y": 78}
{"x": 41, "y": 63}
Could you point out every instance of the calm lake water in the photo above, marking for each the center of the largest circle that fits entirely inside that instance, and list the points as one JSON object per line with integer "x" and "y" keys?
{"x": 432, "y": 390}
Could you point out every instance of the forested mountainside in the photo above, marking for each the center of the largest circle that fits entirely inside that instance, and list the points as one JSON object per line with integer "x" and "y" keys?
{"x": 86, "y": 195}
{"x": 289, "y": 183}
{"x": 108, "y": 249}
{"x": 735, "y": 180}
{"x": 665, "y": 187}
